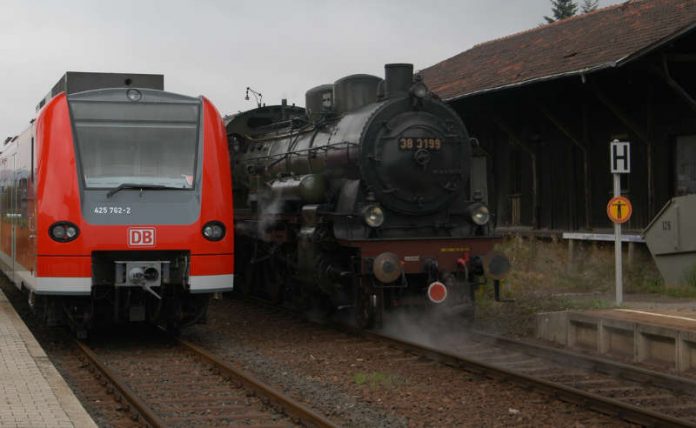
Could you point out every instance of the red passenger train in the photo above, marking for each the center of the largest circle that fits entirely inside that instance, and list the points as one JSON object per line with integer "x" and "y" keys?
{"x": 116, "y": 204}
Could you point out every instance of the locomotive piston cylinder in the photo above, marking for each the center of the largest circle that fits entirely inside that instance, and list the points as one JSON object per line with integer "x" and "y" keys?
{"x": 310, "y": 188}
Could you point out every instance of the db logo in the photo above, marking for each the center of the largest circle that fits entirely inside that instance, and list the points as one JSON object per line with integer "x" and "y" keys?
{"x": 141, "y": 237}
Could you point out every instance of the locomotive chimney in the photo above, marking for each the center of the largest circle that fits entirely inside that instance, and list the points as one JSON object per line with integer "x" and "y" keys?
{"x": 398, "y": 79}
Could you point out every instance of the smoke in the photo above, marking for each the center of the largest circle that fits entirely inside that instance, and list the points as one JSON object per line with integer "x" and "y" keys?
{"x": 267, "y": 217}
{"x": 429, "y": 326}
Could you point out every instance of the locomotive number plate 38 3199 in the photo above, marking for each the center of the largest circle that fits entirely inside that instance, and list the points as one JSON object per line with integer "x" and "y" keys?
{"x": 417, "y": 143}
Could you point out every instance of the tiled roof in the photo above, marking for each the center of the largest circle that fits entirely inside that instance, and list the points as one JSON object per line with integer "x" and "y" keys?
{"x": 607, "y": 37}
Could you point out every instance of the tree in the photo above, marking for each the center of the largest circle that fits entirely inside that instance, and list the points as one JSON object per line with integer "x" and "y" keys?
{"x": 589, "y": 6}
{"x": 562, "y": 9}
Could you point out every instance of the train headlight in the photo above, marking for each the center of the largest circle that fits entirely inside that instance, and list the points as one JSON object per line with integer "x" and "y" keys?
{"x": 479, "y": 214}
{"x": 373, "y": 215}
{"x": 63, "y": 231}
{"x": 213, "y": 231}
{"x": 134, "y": 94}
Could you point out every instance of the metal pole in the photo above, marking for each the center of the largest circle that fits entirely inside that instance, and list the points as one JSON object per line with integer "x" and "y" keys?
{"x": 617, "y": 247}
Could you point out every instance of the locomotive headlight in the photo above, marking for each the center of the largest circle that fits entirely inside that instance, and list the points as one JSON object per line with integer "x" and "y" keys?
{"x": 373, "y": 215}
{"x": 63, "y": 231}
{"x": 214, "y": 231}
{"x": 479, "y": 214}
{"x": 419, "y": 90}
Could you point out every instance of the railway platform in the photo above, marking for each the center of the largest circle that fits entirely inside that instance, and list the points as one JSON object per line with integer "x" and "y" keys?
{"x": 658, "y": 335}
{"x": 32, "y": 392}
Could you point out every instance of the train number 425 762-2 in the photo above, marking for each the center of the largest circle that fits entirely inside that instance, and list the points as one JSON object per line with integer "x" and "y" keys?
{"x": 113, "y": 210}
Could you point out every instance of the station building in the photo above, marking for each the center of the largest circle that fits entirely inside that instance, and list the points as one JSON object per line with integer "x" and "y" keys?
{"x": 545, "y": 104}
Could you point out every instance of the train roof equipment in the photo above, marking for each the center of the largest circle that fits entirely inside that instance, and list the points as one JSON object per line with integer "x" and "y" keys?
{"x": 80, "y": 81}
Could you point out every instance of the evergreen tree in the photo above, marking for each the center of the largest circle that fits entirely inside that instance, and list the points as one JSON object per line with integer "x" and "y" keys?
{"x": 589, "y": 6}
{"x": 562, "y": 9}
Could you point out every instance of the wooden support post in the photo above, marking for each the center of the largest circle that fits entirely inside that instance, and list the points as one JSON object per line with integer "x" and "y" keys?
{"x": 583, "y": 148}
{"x": 533, "y": 157}
{"x": 623, "y": 118}
{"x": 676, "y": 87}
{"x": 586, "y": 163}
{"x": 650, "y": 130}
{"x": 631, "y": 253}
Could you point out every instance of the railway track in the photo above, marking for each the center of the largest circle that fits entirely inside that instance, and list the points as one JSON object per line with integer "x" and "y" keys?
{"x": 633, "y": 394}
{"x": 630, "y": 393}
{"x": 169, "y": 382}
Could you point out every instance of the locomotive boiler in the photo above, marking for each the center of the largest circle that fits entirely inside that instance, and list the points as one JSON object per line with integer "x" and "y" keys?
{"x": 372, "y": 198}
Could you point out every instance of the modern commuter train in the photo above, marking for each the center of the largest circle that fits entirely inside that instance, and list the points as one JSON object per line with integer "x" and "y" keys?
{"x": 116, "y": 204}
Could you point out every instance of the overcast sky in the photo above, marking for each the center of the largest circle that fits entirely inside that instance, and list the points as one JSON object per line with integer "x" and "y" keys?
{"x": 217, "y": 48}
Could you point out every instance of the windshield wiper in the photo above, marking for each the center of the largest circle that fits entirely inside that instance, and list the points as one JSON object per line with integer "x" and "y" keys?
{"x": 123, "y": 186}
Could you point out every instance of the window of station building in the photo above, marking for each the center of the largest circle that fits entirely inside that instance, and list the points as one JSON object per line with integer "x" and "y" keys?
{"x": 685, "y": 165}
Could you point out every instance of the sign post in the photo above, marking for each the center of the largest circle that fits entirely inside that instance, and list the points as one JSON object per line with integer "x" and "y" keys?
{"x": 619, "y": 208}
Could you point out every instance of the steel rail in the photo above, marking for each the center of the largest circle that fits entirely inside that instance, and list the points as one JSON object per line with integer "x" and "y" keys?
{"x": 293, "y": 408}
{"x": 599, "y": 403}
{"x": 145, "y": 412}
{"x": 609, "y": 406}
{"x": 602, "y": 365}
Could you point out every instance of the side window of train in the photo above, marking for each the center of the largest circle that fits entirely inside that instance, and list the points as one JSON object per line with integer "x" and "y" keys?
{"x": 6, "y": 195}
{"x": 23, "y": 193}
{"x": 685, "y": 165}
{"x": 23, "y": 188}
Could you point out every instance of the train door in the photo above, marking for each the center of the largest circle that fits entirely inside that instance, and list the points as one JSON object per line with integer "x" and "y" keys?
{"x": 8, "y": 207}
{"x": 13, "y": 218}
{"x": 24, "y": 228}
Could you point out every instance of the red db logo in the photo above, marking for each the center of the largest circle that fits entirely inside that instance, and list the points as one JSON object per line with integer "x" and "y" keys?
{"x": 141, "y": 237}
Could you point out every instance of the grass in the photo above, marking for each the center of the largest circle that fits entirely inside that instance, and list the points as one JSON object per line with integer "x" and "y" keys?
{"x": 687, "y": 290}
{"x": 545, "y": 279}
{"x": 377, "y": 379}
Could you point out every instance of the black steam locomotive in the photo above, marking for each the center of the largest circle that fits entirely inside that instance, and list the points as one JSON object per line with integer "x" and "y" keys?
{"x": 364, "y": 202}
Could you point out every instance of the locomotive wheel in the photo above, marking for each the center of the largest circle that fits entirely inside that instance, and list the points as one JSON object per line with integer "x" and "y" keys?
{"x": 364, "y": 315}
{"x": 266, "y": 281}
{"x": 262, "y": 274}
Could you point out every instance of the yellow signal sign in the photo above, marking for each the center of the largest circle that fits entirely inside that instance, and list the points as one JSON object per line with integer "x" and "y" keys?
{"x": 619, "y": 209}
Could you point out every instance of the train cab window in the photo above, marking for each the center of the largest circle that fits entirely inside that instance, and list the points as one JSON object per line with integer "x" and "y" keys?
{"x": 685, "y": 165}
{"x": 151, "y": 143}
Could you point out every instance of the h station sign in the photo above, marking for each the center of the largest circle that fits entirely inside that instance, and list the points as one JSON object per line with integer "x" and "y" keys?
{"x": 619, "y": 208}
{"x": 620, "y": 157}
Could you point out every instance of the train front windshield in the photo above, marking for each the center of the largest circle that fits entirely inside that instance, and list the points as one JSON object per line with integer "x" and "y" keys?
{"x": 150, "y": 142}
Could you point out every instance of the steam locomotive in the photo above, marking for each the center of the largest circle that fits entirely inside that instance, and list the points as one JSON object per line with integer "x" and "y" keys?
{"x": 115, "y": 202}
{"x": 371, "y": 199}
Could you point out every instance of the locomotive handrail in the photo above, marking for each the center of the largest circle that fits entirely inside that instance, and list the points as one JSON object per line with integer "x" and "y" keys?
{"x": 281, "y": 156}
